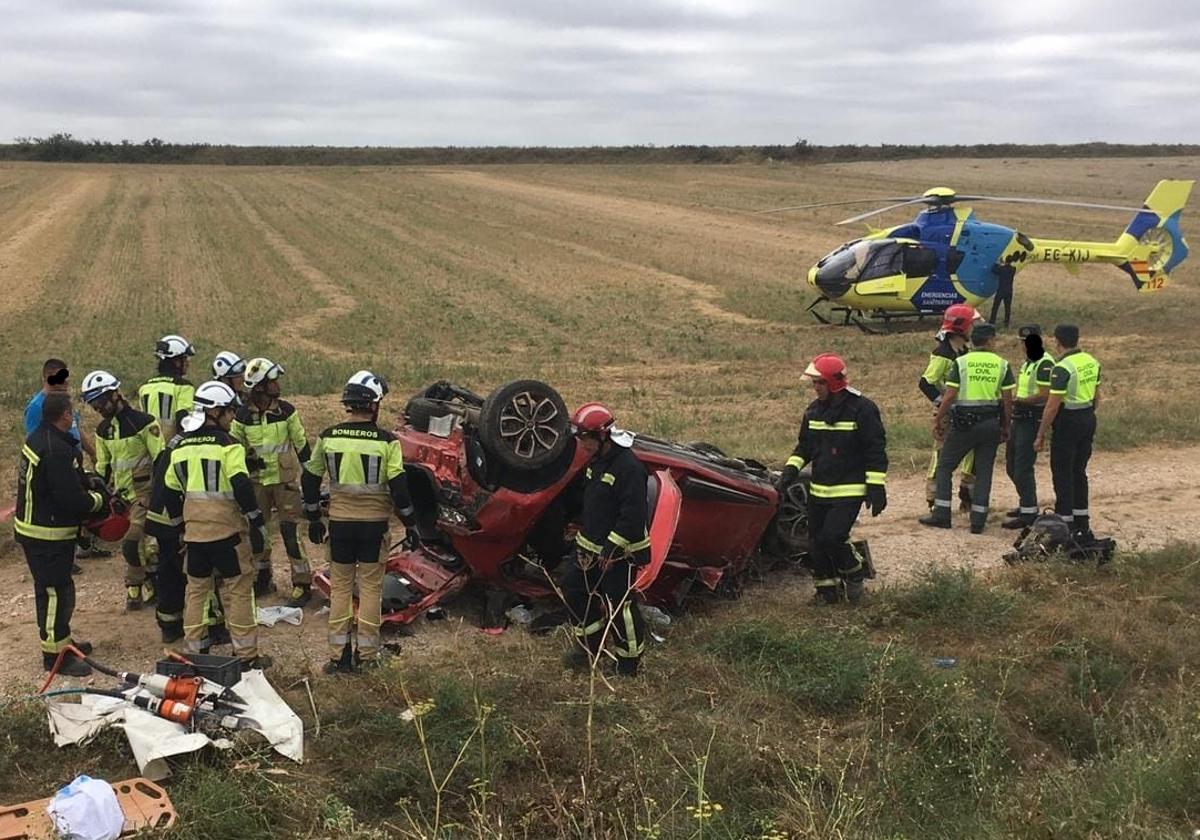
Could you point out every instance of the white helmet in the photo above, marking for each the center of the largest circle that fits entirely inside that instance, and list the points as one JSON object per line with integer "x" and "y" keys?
{"x": 364, "y": 388}
{"x": 98, "y": 383}
{"x": 261, "y": 370}
{"x": 173, "y": 347}
{"x": 214, "y": 394}
{"x": 228, "y": 364}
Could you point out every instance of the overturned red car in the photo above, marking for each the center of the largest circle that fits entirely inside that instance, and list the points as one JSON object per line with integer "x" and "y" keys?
{"x": 490, "y": 479}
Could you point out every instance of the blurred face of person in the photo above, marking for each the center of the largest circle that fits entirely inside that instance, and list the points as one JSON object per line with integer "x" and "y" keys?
{"x": 821, "y": 389}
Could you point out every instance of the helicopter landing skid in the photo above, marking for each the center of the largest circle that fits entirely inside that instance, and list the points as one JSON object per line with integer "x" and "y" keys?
{"x": 867, "y": 322}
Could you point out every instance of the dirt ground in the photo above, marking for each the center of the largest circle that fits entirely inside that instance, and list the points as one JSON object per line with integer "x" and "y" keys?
{"x": 1138, "y": 497}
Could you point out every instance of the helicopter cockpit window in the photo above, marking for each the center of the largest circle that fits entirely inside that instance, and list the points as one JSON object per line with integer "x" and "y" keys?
{"x": 871, "y": 259}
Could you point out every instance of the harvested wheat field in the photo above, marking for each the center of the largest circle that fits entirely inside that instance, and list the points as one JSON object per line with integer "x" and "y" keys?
{"x": 659, "y": 291}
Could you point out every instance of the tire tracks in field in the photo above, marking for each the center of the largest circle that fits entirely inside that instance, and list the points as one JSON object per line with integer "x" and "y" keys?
{"x": 338, "y": 301}
{"x": 703, "y": 297}
{"x": 22, "y": 269}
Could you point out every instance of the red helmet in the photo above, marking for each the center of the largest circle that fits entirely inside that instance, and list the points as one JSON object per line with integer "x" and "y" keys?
{"x": 110, "y": 525}
{"x": 592, "y": 418}
{"x": 957, "y": 319}
{"x": 830, "y": 369}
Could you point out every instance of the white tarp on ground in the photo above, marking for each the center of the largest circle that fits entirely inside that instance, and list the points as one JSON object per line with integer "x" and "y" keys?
{"x": 154, "y": 740}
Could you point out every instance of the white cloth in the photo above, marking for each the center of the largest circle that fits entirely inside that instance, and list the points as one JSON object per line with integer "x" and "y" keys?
{"x": 153, "y": 739}
{"x": 270, "y": 616}
{"x": 86, "y": 809}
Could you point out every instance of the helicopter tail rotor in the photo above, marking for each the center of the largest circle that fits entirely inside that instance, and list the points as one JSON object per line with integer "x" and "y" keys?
{"x": 1153, "y": 241}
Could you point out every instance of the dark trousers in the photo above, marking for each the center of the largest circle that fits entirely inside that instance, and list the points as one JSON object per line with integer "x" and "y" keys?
{"x": 1019, "y": 458}
{"x": 595, "y": 597}
{"x": 172, "y": 586}
{"x": 50, "y": 563}
{"x": 982, "y": 438}
{"x": 1003, "y": 295}
{"x": 1070, "y": 449}
{"x": 831, "y": 557}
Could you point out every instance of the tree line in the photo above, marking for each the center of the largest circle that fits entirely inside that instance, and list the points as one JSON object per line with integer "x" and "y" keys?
{"x": 65, "y": 147}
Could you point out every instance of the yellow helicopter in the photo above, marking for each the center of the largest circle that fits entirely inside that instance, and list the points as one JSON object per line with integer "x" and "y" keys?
{"x": 946, "y": 255}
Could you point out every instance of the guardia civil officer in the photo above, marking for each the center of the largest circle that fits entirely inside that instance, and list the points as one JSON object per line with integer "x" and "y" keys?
{"x": 127, "y": 442}
{"x": 1033, "y": 387}
{"x": 613, "y": 542}
{"x": 951, "y": 343}
{"x": 366, "y": 484}
{"x": 270, "y": 428}
{"x": 1071, "y": 412}
{"x": 208, "y": 481}
{"x": 842, "y": 437}
{"x": 168, "y": 396}
{"x": 53, "y": 498}
{"x": 978, "y": 402}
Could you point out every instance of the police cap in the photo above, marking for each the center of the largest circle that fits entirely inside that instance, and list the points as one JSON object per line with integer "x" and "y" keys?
{"x": 982, "y": 333}
{"x": 1028, "y": 330}
{"x": 1067, "y": 334}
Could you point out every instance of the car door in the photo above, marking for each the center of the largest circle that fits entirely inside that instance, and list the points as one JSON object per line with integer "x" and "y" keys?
{"x": 666, "y": 501}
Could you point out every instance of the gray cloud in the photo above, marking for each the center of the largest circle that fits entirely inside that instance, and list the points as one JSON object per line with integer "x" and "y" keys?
{"x": 564, "y": 72}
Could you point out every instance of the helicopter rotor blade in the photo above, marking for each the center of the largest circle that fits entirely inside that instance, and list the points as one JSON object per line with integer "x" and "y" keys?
{"x": 833, "y": 204}
{"x": 1051, "y": 201}
{"x": 918, "y": 200}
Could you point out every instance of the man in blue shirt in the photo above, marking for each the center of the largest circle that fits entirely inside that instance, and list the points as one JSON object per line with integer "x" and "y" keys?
{"x": 54, "y": 378}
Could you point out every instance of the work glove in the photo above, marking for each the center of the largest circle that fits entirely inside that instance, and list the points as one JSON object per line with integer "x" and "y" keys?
{"x": 258, "y": 532}
{"x": 254, "y": 461}
{"x": 96, "y": 484}
{"x": 876, "y": 498}
{"x": 316, "y": 532}
{"x": 787, "y": 478}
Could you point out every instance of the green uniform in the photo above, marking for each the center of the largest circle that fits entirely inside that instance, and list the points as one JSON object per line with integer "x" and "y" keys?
{"x": 933, "y": 384}
{"x": 979, "y": 378}
{"x": 167, "y": 399}
{"x": 1075, "y": 379}
{"x": 277, "y": 441}
{"x": 126, "y": 446}
{"x": 365, "y": 469}
{"x": 1019, "y": 455}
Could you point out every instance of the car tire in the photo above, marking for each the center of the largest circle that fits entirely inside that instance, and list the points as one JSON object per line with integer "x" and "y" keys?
{"x": 790, "y": 525}
{"x": 420, "y": 410}
{"x": 524, "y": 424}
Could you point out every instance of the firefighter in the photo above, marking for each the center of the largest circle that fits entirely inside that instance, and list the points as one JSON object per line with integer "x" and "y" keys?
{"x": 127, "y": 442}
{"x": 168, "y": 396}
{"x": 1071, "y": 411}
{"x": 978, "y": 402}
{"x": 951, "y": 343}
{"x": 842, "y": 437}
{"x": 167, "y": 531}
{"x": 367, "y": 482}
{"x": 273, "y": 435}
{"x": 613, "y": 542}
{"x": 208, "y": 482}
{"x": 230, "y": 368}
{"x": 1033, "y": 386}
{"x": 53, "y": 498}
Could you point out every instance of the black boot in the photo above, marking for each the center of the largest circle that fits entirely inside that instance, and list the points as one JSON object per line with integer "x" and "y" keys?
{"x": 855, "y": 592}
{"x": 939, "y": 517}
{"x": 1023, "y": 521}
{"x": 344, "y": 664}
{"x": 627, "y": 666}
{"x": 263, "y": 585}
{"x": 978, "y": 522}
{"x": 301, "y": 595}
{"x": 72, "y": 665}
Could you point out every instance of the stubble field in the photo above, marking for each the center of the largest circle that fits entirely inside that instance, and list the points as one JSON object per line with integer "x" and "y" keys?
{"x": 657, "y": 290}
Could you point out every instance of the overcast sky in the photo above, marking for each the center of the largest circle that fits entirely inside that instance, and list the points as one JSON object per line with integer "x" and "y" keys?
{"x": 561, "y": 72}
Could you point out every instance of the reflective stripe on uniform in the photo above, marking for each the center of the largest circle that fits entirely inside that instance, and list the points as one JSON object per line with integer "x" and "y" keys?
{"x": 837, "y": 491}
{"x": 842, "y": 426}
{"x": 358, "y": 489}
{"x": 586, "y": 544}
{"x": 41, "y": 532}
{"x": 874, "y": 477}
{"x": 209, "y": 495}
{"x": 796, "y": 461}
{"x": 632, "y": 649}
{"x": 608, "y": 478}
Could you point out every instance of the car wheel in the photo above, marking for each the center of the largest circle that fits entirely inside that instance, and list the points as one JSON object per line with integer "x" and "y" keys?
{"x": 791, "y": 522}
{"x": 420, "y": 410}
{"x": 525, "y": 424}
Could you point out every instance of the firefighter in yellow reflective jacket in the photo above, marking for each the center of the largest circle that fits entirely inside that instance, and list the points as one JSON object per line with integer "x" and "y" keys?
{"x": 365, "y": 469}
{"x": 951, "y": 343}
{"x": 1071, "y": 412}
{"x": 978, "y": 403}
{"x": 53, "y": 498}
{"x": 842, "y": 437}
{"x": 168, "y": 396}
{"x": 276, "y": 446}
{"x": 208, "y": 483}
{"x": 127, "y": 442}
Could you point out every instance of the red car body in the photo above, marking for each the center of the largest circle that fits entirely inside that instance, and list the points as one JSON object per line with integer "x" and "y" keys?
{"x": 709, "y": 516}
